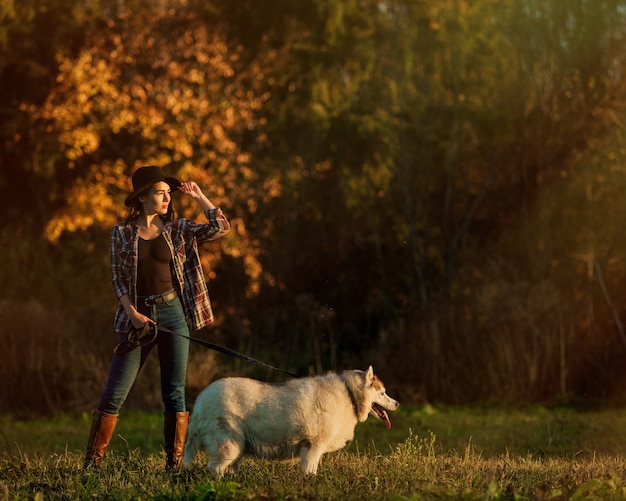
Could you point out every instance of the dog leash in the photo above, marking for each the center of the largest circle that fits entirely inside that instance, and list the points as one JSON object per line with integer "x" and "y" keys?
{"x": 227, "y": 351}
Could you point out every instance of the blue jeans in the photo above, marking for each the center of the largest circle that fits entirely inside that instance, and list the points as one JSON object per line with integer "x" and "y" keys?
{"x": 173, "y": 353}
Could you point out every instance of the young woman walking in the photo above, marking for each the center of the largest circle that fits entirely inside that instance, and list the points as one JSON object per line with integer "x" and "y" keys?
{"x": 158, "y": 280}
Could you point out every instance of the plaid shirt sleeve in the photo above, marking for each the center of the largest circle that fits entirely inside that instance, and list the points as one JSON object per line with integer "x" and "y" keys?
{"x": 119, "y": 287}
{"x": 123, "y": 260}
{"x": 193, "y": 289}
{"x": 218, "y": 226}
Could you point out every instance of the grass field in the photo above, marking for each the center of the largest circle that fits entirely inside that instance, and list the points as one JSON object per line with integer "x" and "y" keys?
{"x": 430, "y": 453}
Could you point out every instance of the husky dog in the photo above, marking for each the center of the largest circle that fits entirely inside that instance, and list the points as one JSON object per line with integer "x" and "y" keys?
{"x": 303, "y": 417}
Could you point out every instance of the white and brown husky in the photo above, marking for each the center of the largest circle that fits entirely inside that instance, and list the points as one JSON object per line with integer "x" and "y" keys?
{"x": 303, "y": 417}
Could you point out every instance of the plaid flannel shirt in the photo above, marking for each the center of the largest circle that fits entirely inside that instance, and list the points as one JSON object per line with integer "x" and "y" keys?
{"x": 182, "y": 237}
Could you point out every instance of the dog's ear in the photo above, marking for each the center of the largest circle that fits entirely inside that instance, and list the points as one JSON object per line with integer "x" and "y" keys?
{"x": 369, "y": 374}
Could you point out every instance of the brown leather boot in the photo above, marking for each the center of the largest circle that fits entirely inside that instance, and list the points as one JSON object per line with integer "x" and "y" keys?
{"x": 102, "y": 427}
{"x": 175, "y": 433}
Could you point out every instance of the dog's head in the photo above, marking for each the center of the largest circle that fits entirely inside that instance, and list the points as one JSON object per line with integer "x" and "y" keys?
{"x": 381, "y": 402}
{"x": 369, "y": 395}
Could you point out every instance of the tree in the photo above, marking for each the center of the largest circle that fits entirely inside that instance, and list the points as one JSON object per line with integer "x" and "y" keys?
{"x": 152, "y": 86}
{"x": 31, "y": 34}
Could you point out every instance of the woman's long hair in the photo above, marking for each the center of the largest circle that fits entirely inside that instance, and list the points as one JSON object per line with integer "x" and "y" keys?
{"x": 136, "y": 210}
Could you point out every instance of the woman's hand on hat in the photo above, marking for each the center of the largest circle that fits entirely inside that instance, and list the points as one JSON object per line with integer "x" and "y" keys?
{"x": 192, "y": 189}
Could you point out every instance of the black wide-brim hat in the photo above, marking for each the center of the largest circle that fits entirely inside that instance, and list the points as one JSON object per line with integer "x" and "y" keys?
{"x": 144, "y": 177}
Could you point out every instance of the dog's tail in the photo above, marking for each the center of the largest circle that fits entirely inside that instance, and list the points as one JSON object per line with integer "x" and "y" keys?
{"x": 191, "y": 445}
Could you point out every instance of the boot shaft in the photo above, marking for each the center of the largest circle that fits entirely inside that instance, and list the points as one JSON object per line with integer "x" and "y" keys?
{"x": 102, "y": 428}
{"x": 175, "y": 432}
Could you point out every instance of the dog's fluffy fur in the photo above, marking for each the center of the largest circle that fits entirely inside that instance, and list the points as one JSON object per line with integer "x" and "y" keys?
{"x": 303, "y": 417}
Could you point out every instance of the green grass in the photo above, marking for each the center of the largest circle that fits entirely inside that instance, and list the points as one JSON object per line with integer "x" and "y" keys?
{"x": 430, "y": 453}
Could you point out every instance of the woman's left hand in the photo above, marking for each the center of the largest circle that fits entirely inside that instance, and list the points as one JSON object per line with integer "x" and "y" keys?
{"x": 192, "y": 189}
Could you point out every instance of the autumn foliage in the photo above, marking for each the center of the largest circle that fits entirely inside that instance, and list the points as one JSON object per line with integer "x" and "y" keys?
{"x": 431, "y": 187}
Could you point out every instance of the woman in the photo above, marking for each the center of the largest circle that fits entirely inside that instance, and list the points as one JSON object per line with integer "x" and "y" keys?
{"x": 158, "y": 279}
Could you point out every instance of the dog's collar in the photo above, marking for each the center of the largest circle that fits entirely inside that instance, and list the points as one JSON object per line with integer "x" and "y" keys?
{"x": 352, "y": 399}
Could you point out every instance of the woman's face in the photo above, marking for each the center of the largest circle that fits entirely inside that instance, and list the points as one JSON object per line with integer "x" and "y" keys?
{"x": 157, "y": 199}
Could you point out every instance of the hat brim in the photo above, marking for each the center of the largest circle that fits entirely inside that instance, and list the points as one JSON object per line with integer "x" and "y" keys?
{"x": 172, "y": 181}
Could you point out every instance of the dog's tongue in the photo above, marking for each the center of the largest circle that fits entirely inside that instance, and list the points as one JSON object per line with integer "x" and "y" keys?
{"x": 382, "y": 414}
{"x": 386, "y": 420}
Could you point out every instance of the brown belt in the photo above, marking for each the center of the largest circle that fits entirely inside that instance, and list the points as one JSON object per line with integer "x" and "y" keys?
{"x": 159, "y": 298}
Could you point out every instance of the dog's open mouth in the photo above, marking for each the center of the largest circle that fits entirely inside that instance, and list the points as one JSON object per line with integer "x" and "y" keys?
{"x": 381, "y": 414}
